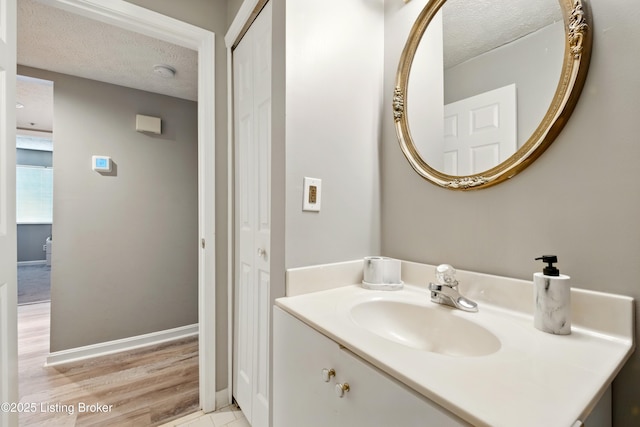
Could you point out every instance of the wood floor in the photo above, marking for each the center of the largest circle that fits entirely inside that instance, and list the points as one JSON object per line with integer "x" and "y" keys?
{"x": 144, "y": 387}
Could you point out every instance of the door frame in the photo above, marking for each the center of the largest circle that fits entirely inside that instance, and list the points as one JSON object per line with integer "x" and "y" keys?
{"x": 8, "y": 247}
{"x": 134, "y": 18}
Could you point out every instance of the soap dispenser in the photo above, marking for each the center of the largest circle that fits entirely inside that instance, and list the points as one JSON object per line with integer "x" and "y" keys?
{"x": 552, "y": 296}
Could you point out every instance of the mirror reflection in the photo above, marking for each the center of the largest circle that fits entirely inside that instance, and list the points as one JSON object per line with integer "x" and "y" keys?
{"x": 482, "y": 79}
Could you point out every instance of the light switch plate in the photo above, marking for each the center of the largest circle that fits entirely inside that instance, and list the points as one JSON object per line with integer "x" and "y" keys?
{"x": 311, "y": 194}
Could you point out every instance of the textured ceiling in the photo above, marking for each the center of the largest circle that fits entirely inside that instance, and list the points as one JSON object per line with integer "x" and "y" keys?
{"x": 37, "y": 98}
{"x": 56, "y": 40}
{"x": 473, "y": 27}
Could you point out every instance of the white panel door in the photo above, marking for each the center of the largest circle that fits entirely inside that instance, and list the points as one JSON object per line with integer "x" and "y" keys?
{"x": 252, "y": 123}
{"x": 244, "y": 268}
{"x": 480, "y": 131}
{"x": 8, "y": 258}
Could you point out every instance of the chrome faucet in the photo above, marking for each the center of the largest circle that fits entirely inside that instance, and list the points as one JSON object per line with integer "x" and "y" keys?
{"x": 446, "y": 292}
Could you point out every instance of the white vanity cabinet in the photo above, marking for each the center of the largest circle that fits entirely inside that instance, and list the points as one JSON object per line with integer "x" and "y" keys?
{"x": 302, "y": 397}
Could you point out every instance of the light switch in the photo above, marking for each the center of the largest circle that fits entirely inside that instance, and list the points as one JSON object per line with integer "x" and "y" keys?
{"x": 311, "y": 194}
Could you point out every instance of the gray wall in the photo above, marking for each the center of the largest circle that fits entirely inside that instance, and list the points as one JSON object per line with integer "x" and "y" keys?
{"x": 31, "y": 237}
{"x": 125, "y": 260}
{"x": 201, "y": 13}
{"x": 579, "y": 200}
{"x": 232, "y": 9}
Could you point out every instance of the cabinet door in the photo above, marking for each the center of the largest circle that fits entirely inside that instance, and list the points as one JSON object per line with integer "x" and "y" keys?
{"x": 375, "y": 399}
{"x": 301, "y": 398}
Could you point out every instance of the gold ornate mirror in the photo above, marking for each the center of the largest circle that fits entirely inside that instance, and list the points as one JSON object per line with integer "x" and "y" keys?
{"x": 483, "y": 88}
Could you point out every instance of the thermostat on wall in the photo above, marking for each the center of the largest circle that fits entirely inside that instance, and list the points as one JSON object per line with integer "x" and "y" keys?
{"x": 101, "y": 163}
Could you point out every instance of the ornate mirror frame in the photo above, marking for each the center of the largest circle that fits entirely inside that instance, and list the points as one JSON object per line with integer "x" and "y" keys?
{"x": 572, "y": 78}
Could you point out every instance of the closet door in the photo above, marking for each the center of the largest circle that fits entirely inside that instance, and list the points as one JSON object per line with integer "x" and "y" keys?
{"x": 252, "y": 128}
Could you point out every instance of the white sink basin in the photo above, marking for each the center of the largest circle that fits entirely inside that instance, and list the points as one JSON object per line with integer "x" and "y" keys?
{"x": 429, "y": 328}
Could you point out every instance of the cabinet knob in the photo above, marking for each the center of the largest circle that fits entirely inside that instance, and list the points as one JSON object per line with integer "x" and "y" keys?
{"x": 341, "y": 389}
{"x": 262, "y": 253}
{"x": 327, "y": 374}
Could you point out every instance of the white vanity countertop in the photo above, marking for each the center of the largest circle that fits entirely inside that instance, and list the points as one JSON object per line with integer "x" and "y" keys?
{"x": 534, "y": 379}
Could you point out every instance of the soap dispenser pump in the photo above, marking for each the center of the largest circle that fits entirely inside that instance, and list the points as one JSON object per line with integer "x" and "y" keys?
{"x": 552, "y": 296}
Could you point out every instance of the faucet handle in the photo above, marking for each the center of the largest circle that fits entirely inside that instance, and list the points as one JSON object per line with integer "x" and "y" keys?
{"x": 446, "y": 275}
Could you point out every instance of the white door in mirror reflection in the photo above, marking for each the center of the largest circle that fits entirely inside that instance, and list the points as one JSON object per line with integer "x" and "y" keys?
{"x": 480, "y": 132}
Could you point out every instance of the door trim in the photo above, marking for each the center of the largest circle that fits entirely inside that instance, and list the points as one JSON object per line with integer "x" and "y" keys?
{"x": 144, "y": 21}
{"x": 247, "y": 13}
{"x": 8, "y": 247}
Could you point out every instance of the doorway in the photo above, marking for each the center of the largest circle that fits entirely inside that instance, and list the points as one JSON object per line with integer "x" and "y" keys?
{"x": 143, "y": 21}
{"x": 34, "y": 197}
{"x": 34, "y": 188}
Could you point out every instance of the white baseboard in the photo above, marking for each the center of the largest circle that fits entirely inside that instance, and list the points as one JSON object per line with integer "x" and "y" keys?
{"x": 116, "y": 346}
{"x": 37, "y": 262}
